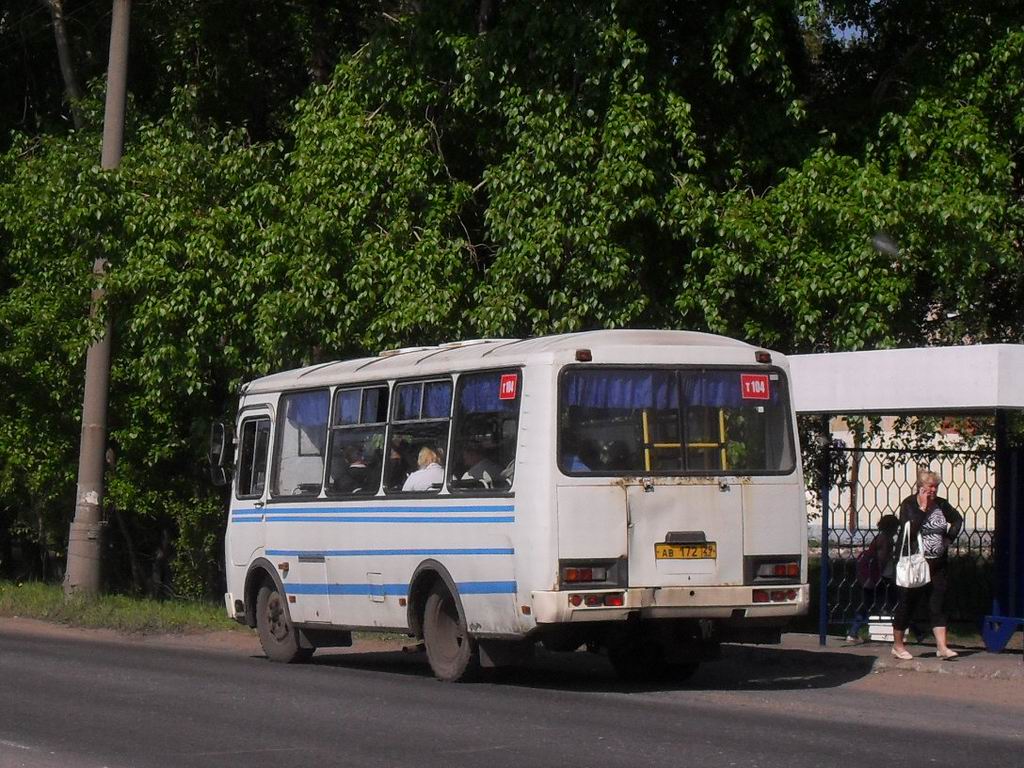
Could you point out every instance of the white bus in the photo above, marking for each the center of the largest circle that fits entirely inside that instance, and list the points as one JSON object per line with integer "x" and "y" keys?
{"x": 637, "y": 492}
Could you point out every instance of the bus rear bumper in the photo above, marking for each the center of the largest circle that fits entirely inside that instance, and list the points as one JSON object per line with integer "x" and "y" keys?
{"x": 672, "y": 603}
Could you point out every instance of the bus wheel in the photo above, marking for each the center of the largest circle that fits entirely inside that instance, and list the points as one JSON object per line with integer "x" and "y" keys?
{"x": 278, "y": 637}
{"x": 683, "y": 671}
{"x": 639, "y": 660}
{"x": 452, "y": 653}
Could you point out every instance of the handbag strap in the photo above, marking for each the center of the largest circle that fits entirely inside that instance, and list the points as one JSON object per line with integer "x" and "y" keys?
{"x": 905, "y": 546}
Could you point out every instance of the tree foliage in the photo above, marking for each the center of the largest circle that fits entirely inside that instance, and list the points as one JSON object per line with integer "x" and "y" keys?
{"x": 304, "y": 181}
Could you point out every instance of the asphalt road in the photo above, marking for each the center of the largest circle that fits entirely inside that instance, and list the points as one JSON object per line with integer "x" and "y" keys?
{"x": 81, "y": 703}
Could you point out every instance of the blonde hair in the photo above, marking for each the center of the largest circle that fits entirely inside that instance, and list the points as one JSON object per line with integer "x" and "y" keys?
{"x": 427, "y": 456}
{"x": 928, "y": 476}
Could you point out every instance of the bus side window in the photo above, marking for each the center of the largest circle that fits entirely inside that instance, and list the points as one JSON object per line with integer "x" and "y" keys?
{"x": 252, "y": 459}
{"x": 418, "y": 436}
{"x": 485, "y": 432}
{"x": 301, "y": 444}
{"x": 357, "y": 440}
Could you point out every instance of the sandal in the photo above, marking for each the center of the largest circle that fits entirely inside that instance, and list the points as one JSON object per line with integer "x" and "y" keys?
{"x": 949, "y": 653}
{"x": 903, "y": 655}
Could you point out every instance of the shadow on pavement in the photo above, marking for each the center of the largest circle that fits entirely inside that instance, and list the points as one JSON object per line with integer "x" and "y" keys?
{"x": 740, "y": 668}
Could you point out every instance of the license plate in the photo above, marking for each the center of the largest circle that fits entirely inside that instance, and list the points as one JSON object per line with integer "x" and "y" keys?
{"x": 703, "y": 551}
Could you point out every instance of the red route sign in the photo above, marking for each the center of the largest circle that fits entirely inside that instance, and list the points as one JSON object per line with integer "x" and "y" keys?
{"x": 507, "y": 387}
{"x": 754, "y": 386}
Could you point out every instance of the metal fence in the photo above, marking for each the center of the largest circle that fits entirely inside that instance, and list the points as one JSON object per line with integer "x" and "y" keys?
{"x": 866, "y": 483}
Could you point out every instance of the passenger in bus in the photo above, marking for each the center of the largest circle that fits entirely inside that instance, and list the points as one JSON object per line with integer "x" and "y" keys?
{"x": 581, "y": 458}
{"x": 353, "y": 476}
{"x": 573, "y": 463}
{"x": 430, "y": 474}
{"x": 480, "y": 466}
{"x": 397, "y": 468}
{"x": 615, "y": 456}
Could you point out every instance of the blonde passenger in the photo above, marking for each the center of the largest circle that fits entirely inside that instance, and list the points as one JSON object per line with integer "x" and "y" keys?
{"x": 430, "y": 474}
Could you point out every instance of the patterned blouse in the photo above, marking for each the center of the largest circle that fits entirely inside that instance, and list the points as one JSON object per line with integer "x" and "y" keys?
{"x": 933, "y": 534}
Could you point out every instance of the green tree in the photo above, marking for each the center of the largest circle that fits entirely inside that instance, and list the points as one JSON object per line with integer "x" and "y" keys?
{"x": 304, "y": 182}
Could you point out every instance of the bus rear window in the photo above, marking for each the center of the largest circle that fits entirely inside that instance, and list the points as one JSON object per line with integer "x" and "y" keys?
{"x": 616, "y": 421}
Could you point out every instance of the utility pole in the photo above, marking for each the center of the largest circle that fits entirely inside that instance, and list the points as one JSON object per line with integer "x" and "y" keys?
{"x": 85, "y": 538}
{"x": 67, "y": 67}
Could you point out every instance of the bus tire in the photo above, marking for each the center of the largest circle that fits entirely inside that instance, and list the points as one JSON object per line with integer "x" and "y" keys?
{"x": 680, "y": 672}
{"x": 638, "y": 660}
{"x": 278, "y": 636}
{"x": 452, "y": 653}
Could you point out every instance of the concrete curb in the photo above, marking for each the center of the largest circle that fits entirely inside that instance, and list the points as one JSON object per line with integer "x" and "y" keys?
{"x": 804, "y": 650}
{"x": 999, "y": 667}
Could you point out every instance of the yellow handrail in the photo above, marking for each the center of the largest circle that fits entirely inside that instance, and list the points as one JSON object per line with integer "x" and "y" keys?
{"x": 721, "y": 445}
{"x": 647, "y": 440}
{"x": 721, "y": 437}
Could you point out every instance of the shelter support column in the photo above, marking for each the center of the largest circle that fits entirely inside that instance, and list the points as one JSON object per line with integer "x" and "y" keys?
{"x": 1007, "y": 540}
{"x": 824, "y": 488}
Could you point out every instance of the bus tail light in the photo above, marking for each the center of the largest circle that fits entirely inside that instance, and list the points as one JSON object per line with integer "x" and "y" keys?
{"x": 575, "y": 575}
{"x": 598, "y": 600}
{"x": 775, "y": 595}
{"x": 781, "y": 570}
{"x": 591, "y": 574}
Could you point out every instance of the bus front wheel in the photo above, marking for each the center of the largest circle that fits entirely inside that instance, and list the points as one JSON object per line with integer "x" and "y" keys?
{"x": 278, "y": 635}
{"x": 452, "y": 653}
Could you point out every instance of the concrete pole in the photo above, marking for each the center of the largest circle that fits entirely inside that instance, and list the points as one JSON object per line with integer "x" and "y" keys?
{"x": 85, "y": 540}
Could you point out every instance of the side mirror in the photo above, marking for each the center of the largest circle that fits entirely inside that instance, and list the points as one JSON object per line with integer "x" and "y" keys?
{"x": 219, "y": 454}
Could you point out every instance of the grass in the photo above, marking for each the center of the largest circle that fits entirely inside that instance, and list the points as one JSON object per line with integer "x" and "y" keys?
{"x": 128, "y": 615}
{"x": 132, "y": 615}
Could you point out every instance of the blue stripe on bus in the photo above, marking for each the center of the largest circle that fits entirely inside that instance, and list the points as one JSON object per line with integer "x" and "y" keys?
{"x": 377, "y": 509}
{"x": 386, "y": 552}
{"x": 401, "y": 590}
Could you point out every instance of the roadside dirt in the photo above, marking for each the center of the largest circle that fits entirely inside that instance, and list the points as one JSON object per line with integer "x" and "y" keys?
{"x": 235, "y": 642}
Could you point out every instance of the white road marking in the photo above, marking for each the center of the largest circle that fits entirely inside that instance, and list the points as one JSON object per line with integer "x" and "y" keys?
{"x": 14, "y": 744}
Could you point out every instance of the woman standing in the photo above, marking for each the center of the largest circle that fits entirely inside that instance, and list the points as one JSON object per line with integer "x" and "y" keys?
{"x": 939, "y": 525}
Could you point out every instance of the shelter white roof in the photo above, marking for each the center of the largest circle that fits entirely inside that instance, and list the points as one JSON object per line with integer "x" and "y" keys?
{"x": 964, "y": 379}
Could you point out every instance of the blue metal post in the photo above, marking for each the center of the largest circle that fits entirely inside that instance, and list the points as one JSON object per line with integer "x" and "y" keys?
{"x": 823, "y": 492}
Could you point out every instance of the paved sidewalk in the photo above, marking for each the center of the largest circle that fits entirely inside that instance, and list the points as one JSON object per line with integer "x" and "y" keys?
{"x": 800, "y": 649}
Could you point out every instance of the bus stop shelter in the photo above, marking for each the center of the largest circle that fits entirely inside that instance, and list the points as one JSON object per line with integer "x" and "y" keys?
{"x": 951, "y": 381}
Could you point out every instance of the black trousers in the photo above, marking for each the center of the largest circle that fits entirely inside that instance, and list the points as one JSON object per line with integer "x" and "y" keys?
{"x": 934, "y": 594}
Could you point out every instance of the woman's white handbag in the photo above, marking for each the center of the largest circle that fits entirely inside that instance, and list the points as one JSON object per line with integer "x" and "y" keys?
{"x": 912, "y": 570}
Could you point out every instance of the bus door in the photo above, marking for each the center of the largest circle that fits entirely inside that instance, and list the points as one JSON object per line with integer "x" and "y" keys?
{"x": 684, "y": 532}
{"x": 246, "y": 528}
{"x": 700, "y": 444}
